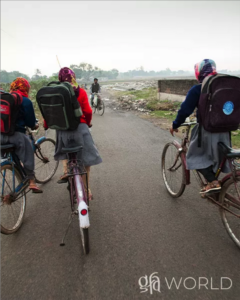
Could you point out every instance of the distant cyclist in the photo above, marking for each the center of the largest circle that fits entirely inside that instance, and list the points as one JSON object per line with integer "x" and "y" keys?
{"x": 95, "y": 88}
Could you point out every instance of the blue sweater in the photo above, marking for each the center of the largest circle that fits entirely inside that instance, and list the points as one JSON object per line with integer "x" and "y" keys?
{"x": 26, "y": 116}
{"x": 188, "y": 106}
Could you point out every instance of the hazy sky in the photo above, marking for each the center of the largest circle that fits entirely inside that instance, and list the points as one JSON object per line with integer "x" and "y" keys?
{"x": 123, "y": 35}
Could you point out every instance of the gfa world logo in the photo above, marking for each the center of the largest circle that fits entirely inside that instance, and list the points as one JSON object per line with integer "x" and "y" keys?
{"x": 153, "y": 283}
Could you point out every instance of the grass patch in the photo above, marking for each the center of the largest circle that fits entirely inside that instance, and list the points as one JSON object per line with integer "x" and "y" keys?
{"x": 164, "y": 115}
{"x": 163, "y": 105}
{"x": 236, "y": 139}
{"x": 147, "y": 93}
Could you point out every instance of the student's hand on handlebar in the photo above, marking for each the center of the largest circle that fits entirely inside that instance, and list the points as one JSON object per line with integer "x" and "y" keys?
{"x": 36, "y": 126}
{"x": 172, "y": 131}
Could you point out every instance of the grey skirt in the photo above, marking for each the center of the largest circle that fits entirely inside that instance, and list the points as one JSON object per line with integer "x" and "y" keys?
{"x": 79, "y": 137}
{"x": 208, "y": 154}
{"x": 23, "y": 149}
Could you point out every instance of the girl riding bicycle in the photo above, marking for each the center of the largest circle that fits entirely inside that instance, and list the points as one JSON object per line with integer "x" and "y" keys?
{"x": 22, "y": 144}
{"x": 206, "y": 158}
{"x": 79, "y": 137}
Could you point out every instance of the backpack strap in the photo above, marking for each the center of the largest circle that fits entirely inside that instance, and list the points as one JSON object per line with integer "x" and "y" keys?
{"x": 199, "y": 136}
{"x": 53, "y": 82}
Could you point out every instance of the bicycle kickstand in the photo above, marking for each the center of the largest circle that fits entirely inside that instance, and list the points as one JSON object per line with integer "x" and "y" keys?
{"x": 69, "y": 223}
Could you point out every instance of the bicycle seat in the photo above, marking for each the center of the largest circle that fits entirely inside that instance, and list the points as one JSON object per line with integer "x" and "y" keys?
{"x": 9, "y": 147}
{"x": 72, "y": 150}
{"x": 228, "y": 151}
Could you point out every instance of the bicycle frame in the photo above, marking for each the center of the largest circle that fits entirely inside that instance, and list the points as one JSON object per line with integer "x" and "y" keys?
{"x": 183, "y": 156}
{"x": 12, "y": 159}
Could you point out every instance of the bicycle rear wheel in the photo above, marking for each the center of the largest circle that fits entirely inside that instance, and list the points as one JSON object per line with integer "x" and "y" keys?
{"x": 12, "y": 208}
{"x": 173, "y": 170}
{"x": 230, "y": 198}
{"x": 85, "y": 240}
{"x": 45, "y": 165}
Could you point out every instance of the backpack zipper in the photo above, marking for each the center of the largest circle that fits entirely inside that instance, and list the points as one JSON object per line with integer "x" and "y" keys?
{"x": 212, "y": 96}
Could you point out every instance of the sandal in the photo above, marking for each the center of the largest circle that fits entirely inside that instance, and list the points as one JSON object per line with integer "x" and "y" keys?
{"x": 90, "y": 197}
{"x": 63, "y": 178}
{"x": 35, "y": 189}
{"x": 211, "y": 187}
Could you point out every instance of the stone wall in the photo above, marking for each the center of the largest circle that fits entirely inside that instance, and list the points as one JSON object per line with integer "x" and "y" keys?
{"x": 176, "y": 86}
{"x": 174, "y": 89}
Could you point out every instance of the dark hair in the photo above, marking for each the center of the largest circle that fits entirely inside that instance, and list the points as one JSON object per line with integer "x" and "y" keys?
{"x": 95, "y": 79}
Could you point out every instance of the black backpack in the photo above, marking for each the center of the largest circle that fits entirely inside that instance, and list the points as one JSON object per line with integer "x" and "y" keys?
{"x": 219, "y": 104}
{"x": 9, "y": 110}
{"x": 59, "y": 106}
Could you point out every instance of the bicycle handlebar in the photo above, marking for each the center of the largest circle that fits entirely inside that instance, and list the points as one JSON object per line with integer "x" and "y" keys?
{"x": 188, "y": 124}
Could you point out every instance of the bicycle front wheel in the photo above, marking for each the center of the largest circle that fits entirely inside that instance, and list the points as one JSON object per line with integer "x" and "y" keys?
{"x": 101, "y": 112}
{"x": 94, "y": 109}
{"x": 173, "y": 170}
{"x": 12, "y": 207}
{"x": 230, "y": 198}
{"x": 45, "y": 165}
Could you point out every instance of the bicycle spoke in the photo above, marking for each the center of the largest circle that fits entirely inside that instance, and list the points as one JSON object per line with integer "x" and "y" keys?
{"x": 6, "y": 182}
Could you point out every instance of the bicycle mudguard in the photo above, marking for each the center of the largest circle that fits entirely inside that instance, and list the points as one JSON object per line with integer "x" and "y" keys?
{"x": 183, "y": 157}
{"x": 6, "y": 162}
{"x": 83, "y": 219}
{"x": 40, "y": 140}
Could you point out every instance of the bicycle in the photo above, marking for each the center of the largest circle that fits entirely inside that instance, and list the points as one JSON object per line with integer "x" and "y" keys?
{"x": 15, "y": 182}
{"x": 78, "y": 197}
{"x": 44, "y": 149}
{"x": 100, "y": 107}
{"x": 176, "y": 177}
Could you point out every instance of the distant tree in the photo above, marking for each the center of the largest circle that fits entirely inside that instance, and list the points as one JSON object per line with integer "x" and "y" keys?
{"x": 4, "y": 76}
{"x": 113, "y": 74}
{"x": 7, "y": 77}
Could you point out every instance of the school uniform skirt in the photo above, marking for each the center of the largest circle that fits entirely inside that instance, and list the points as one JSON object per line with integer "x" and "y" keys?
{"x": 208, "y": 154}
{"x": 79, "y": 137}
{"x": 23, "y": 149}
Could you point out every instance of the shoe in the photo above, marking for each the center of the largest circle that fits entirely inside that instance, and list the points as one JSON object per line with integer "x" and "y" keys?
{"x": 211, "y": 187}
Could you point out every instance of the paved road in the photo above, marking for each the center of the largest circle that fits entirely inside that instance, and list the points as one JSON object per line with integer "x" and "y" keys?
{"x": 136, "y": 230}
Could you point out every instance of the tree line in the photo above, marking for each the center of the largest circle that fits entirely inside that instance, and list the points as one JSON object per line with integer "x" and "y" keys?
{"x": 7, "y": 77}
{"x": 86, "y": 72}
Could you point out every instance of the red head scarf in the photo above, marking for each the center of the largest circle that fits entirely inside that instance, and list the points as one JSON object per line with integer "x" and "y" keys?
{"x": 21, "y": 86}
